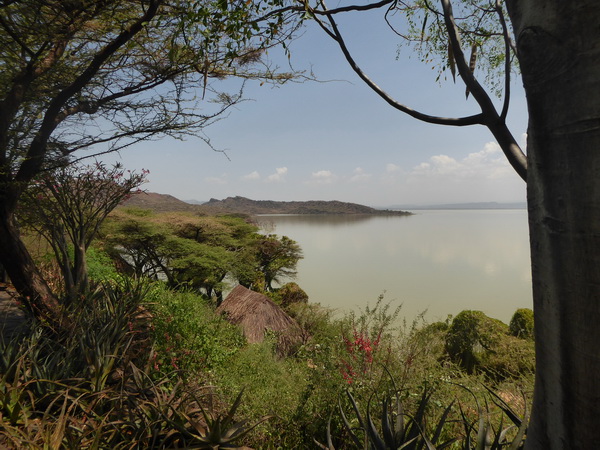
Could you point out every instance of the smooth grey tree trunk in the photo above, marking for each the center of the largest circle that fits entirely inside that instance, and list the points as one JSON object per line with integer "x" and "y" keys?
{"x": 559, "y": 52}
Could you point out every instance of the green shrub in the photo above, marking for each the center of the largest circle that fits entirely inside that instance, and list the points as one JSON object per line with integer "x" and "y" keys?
{"x": 100, "y": 266}
{"x": 521, "y": 324}
{"x": 291, "y": 293}
{"x": 271, "y": 386}
{"x": 470, "y": 336}
{"x": 479, "y": 343}
{"x": 189, "y": 335}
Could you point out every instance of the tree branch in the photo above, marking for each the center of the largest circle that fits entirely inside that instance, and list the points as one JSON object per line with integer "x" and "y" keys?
{"x": 507, "y": 68}
{"x": 492, "y": 120}
{"x": 37, "y": 149}
{"x": 336, "y": 35}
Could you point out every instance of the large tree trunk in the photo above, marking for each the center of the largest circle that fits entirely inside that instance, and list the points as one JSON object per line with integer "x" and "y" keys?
{"x": 559, "y": 52}
{"x": 23, "y": 272}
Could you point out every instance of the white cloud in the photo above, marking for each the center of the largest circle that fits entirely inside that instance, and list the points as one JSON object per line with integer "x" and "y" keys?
{"x": 216, "y": 180}
{"x": 488, "y": 163}
{"x": 278, "y": 176}
{"x": 359, "y": 175}
{"x": 391, "y": 168}
{"x": 251, "y": 176}
{"x": 479, "y": 176}
{"x": 322, "y": 177}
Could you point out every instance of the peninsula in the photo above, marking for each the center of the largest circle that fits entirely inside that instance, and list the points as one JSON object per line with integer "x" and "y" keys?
{"x": 243, "y": 205}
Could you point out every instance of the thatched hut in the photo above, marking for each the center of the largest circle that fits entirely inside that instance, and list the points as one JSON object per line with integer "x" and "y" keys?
{"x": 257, "y": 314}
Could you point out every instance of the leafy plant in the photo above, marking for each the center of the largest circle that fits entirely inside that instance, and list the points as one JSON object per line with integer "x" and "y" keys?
{"x": 396, "y": 428}
{"x": 399, "y": 430}
{"x": 221, "y": 431}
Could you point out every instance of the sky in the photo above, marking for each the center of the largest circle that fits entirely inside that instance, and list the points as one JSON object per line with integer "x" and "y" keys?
{"x": 335, "y": 139}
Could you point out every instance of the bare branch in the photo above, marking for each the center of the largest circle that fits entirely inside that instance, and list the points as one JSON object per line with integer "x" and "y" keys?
{"x": 507, "y": 68}
{"x": 35, "y": 154}
{"x": 492, "y": 120}
{"x": 336, "y": 35}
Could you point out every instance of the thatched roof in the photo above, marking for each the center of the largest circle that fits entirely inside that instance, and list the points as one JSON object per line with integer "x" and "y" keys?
{"x": 256, "y": 314}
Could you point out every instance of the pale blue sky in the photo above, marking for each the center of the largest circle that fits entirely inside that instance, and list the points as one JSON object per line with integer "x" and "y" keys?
{"x": 337, "y": 140}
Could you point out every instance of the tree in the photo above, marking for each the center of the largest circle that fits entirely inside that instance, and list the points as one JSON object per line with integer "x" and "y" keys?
{"x": 67, "y": 207}
{"x": 101, "y": 75}
{"x": 556, "y": 45}
{"x": 277, "y": 258}
{"x": 186, "y": 250}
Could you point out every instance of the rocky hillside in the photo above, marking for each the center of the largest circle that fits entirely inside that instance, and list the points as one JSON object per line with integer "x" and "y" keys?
{"x": 242, "y": 205}
{"x": 246, "y": 206}
{"x": 157, "y": 202}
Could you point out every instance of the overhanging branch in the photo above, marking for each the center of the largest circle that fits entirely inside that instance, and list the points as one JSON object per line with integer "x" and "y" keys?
{"x": 337, "y": 36}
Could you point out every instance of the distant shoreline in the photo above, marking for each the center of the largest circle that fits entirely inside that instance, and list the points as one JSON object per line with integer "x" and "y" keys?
{"x": 465, "y": 206}
{"x": 243, "y": 205}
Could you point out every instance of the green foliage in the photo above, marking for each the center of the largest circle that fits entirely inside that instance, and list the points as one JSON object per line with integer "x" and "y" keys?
{"x": 289, "y": 294}
{"x": 67, "y": 205}
{"x": 144, "y": 363}
{"x": 189, "y": 336}
{"x": 82, "y": 387}
{"x": 277, "y": 258}
{"x": 521, "y": 324}
{"x": 221, "y": 431}
{"x": 424, "y": 32}
{"x": 101, "y": 267}
{"x": 471, "y": 334}
{"x": 256, "y": 369}
{"x": 426, "y": 424}
{"x": 198, "y": 252}
{"x": 399, "y": 429}
{"x": 479, "y": 343}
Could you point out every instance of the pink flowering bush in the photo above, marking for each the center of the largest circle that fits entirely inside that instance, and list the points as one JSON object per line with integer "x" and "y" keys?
{"x": 365, "y": 349}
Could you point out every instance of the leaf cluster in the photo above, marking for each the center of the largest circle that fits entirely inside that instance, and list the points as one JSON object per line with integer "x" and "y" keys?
{"x": 420, "y": 24}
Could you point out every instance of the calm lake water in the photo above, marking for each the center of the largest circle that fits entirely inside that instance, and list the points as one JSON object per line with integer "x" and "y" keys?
{"x": 439, "y": 261}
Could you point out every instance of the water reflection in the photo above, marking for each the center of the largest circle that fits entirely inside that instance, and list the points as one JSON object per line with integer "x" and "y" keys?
{"x": 442, "y": 261}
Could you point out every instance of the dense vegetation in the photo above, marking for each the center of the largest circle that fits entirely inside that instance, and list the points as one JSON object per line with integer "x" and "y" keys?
{"x": 146, "y": 362}
{"x": 142, "y": 358}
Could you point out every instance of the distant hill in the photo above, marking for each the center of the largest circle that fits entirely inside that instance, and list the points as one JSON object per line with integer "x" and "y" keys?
{"x": 242, "y": 205}
{"x": 157, "y": 202}
{"x": 247, "y": 206}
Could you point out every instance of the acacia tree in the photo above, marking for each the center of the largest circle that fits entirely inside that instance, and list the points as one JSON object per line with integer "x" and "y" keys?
{"x": 277, "y": 258}
{"x": 186, "y": 250}
{"x": 104, "y": 74}
{"x": 67, "y": 207}
{"x": 556, "y": 45}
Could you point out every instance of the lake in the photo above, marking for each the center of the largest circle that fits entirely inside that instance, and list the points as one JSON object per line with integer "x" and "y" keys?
{"x": 442, "y": 261}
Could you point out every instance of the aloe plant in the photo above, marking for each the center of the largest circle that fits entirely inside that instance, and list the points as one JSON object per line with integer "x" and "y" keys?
{"x": 401, "y": 430}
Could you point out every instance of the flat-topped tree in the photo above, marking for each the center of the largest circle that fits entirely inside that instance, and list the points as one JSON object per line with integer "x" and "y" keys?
{"x": 101, "y": 75}
{"x": 557, "y": 46}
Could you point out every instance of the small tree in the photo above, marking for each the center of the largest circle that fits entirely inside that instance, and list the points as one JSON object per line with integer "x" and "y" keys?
{"x": 67, "y": 207}
{"x": 277, "y": 258}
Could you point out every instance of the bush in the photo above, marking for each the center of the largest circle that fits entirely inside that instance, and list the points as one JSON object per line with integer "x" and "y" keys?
{"x": 100, "y": 266}
{"x": 271, "y": 387}
{"x": 479, "y": 343}
{"x": 471, "y": 335}
{"x": 189, "y": 335}
{"x": 291, "y": 293}
{"x": 521, "y": 324}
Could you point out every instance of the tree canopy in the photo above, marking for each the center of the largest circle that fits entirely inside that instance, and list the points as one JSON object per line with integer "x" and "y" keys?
{"x": 101, "y": 75}
{"x": 199, "y": 252}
